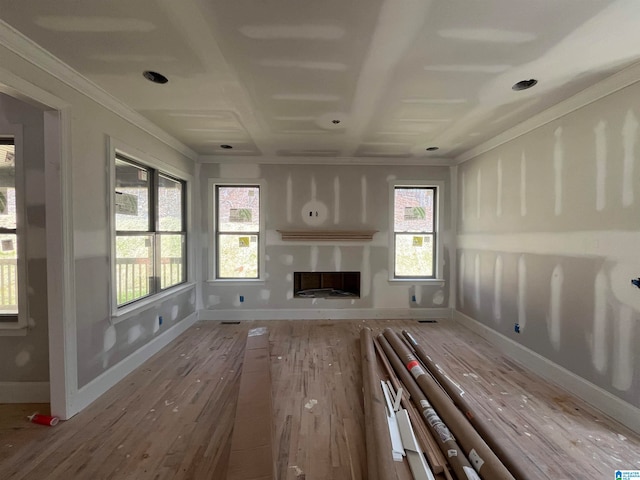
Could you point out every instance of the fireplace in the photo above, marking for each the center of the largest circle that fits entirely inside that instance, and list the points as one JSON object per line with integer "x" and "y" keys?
{"x": 326, "y": 285}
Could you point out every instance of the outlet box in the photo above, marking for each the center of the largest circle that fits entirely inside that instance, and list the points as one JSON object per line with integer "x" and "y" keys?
{"x": 413, "y": 298}
{"x": 241, "y": 298}
{"x": 159, "y": 320}
{"x": 516, "y": 328}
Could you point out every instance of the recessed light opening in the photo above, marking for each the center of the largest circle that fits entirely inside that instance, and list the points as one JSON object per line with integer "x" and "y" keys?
{"x": 524, "y": 84}
{"x": 432, "y": 149}
{"x": 155, "y": 77}
{"x": 226, "y": 147}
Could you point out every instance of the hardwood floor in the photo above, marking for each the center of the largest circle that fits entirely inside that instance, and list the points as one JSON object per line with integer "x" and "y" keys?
{"x": 173, "y": 417}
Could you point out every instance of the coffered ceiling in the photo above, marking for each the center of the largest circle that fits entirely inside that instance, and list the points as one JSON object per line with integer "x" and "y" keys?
{"x": 336, "y": 78}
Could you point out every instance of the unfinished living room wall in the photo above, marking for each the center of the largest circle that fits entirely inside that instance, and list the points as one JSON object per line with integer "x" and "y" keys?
{"x": 96, "y": 345}
{"x": 349, "y": 197}
{"x": 24, "y": 359}
{"x": 548, "y": 237}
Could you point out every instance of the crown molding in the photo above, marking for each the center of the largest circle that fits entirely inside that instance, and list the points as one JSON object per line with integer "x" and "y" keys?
{"x": 33, "y": 53}
{"x": 389, "y": 161}
{"x": 609, "y": 85}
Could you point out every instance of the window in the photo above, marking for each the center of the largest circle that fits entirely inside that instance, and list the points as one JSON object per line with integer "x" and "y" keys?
{"x": 415, "y": 231}
{"x": 237, "y": 232}
{"x": 150, "y": 231}
{"x": 11, "y": 273}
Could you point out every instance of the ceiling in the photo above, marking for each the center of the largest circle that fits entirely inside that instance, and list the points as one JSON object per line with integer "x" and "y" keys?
{"x": 336, "y": 78}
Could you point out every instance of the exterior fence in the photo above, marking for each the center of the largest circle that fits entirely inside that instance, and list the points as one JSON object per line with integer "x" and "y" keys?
{"x": 134, "y": 277}
{"x": 8, "y": 285}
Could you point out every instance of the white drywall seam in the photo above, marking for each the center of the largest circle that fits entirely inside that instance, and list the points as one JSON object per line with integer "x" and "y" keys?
{"x": 523, "y": 185}
{"x": 630, "y": 137}
{"x": 600, "y": 132}
{"x": 558, "y": 166}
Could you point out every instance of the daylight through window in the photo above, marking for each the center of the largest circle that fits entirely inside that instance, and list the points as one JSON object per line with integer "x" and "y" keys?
{"x": 414, "y": 231}
{"x": 150, "y": 243}
{"x": 237, "y": 225}
{"x": 8, "y": 234}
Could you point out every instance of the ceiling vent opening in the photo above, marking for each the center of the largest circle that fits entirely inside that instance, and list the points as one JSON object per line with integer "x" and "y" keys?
{"x": 524, "y": 84}
{"x": 226, "y": 147}
{"x": 432, "y": 149}
{"x": 155, "y": 77}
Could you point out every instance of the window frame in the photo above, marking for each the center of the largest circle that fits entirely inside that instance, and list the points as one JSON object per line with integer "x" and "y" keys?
{"x": 214, "y": 183}
{"x": 156, "y": 168}
{"x": 13, "y": 134}
{"x": 438, "y": 187}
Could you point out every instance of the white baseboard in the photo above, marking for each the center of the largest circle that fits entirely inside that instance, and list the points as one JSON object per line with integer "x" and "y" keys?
{"x": 98, "y": 386}
{"x": 24, "y": 392}
{"x": 598, "y": 397}
{"x": 326, "y": 314}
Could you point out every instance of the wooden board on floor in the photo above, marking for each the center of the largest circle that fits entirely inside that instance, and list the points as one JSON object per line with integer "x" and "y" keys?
{"x": 251, "y": 455}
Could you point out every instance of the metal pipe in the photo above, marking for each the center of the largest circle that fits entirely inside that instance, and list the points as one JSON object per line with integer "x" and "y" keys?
{"x": 380, "y": 465}
{"x": 481, "y": 456}
{"x": 457, "y": 395}
{"x": 446, "y": 441}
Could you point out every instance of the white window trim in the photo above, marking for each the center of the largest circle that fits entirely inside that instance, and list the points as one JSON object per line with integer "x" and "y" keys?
{"x": 117, "y": 147}
{"x": 20, "y": 327}
{"x": 213, "y": 182}
{"x": 439, "y": 255}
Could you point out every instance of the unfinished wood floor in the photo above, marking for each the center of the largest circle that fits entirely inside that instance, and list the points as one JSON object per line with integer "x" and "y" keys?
{"x": 173, "y": 417}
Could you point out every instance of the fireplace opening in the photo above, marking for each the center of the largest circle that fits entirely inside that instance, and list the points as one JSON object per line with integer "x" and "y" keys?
{"x": 326, "y": 284}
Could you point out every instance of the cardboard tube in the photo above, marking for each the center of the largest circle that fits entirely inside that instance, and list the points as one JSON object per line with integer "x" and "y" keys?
{"x": 446, "y": 442}
{"x": 380, "y": 463}
{"x": 457, "y": 395}
{"x": 480, "y": 455}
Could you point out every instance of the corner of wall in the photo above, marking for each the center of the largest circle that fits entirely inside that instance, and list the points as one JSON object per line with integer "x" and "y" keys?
{"x": 599, "y": 398}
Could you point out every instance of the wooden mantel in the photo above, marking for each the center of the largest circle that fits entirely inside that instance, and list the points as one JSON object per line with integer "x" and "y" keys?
{"x": 328, "y": 235}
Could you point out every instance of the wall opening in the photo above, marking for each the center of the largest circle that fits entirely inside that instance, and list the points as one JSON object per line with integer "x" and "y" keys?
{"x": 326, "y": 284}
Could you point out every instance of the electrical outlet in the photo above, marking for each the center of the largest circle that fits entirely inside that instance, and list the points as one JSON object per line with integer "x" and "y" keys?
{"x": 241, "y": 298}
{"x": 413, "y": 298}
{"x": 159, "y": 320}
{"x": 516, "y": 328}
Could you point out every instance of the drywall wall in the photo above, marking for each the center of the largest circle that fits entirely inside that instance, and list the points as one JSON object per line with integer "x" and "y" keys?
{"x": 26, "y": 358}
{"x": 347, "y": 198}
{"x": 548, "y": 238}
{"x": 99, "y": 344}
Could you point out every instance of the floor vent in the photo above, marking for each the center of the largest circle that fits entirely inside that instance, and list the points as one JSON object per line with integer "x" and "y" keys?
{"x": 230, "y": 323}
{"x": 427, "y": 321}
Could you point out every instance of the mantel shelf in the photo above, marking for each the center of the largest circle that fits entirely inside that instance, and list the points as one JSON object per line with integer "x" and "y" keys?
{"x": 328, "y": 235}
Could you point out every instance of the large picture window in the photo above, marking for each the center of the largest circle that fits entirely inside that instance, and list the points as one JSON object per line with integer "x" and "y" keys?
{"x": 237, "y": 227}
{"x": 150, "y": 225}
{"x": 9, "y": 271}
{"x": 414, "y": 232}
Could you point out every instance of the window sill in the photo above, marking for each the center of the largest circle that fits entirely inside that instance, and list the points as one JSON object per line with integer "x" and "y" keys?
{"x": 134, "y": 309}
{"x": 237, "y": 281}
{"x": 419, "y": 281}
{"x": 13, "y": 332}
